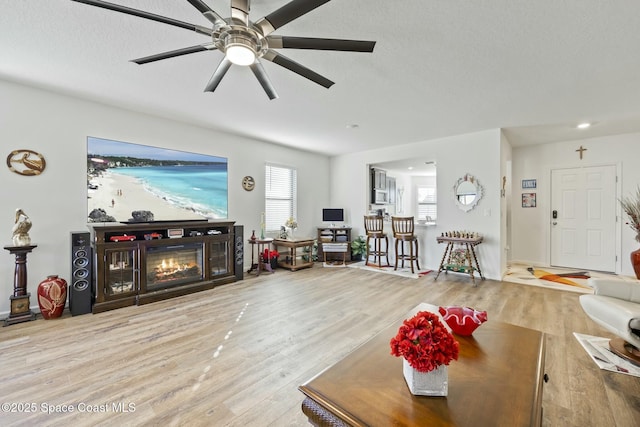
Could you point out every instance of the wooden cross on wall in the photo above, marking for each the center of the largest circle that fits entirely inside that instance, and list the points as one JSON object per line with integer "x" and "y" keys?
{"x": 581, "y": 150}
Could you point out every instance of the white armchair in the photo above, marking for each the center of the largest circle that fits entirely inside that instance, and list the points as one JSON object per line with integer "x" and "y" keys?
{"x": 615, "y": 305}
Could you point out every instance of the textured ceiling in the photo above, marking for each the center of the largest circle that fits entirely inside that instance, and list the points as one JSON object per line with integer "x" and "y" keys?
{"x": 440, "y": 68}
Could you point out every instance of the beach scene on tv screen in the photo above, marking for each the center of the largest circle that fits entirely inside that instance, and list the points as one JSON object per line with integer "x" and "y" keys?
{"x": 154, "y": 183}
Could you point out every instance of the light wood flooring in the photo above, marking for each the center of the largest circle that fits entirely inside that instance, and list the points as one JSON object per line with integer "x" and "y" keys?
{"x": 235, "y": 355}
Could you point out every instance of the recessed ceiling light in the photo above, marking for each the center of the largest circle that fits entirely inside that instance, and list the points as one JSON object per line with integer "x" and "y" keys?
{"x": 583, "y": 125}
{"x": 410, "y": 168}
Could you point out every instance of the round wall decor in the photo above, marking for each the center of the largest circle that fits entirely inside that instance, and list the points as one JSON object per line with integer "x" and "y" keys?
{"x": 248, "y": 183}
{"x": 26, "y": 162}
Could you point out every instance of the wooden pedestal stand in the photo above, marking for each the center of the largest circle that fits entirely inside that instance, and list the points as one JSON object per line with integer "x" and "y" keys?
{"x": 20, "y": 311}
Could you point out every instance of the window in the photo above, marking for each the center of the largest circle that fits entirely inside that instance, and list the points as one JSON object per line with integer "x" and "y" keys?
{"x": 280, "y": 196}
{"x": 427, "y": 203}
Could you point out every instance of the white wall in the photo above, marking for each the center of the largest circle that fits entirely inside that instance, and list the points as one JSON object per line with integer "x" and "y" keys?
{"x": 57, "y": 127}
{"x": 477, "y": 153}
{"x": 530, "y": 227}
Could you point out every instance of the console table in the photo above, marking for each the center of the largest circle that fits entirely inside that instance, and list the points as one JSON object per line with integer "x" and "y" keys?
{"x": 467, "y": 266}
{"x": 294, "y": 260}
{"x": 497, "y": 380}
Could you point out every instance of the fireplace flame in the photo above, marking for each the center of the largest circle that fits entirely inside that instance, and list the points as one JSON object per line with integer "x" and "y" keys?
{"x": 168, "y": 269}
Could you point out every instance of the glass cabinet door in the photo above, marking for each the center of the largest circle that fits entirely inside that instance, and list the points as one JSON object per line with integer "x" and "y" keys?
{"x": 121, "y": 271}
{"x": 219, "y": 258}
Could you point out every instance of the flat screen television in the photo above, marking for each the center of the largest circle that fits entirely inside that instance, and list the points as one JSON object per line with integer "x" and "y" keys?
{"x": 158, "y": 184}
{"x": 332, "y": 215}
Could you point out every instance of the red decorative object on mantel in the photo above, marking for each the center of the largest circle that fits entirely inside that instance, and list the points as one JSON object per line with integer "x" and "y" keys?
{"x": 52, "y": 296}
{"x": 463, "y": 320}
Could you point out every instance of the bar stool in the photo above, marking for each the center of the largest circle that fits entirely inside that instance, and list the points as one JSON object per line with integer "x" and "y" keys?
{"x": 373, "y": 226}
{"x": 403, "y": 227}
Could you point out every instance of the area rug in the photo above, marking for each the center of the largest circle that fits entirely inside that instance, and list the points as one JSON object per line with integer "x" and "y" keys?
{"x": 403, "y": 272}
{"x": 598, "y": 350}
{"x": 550, "y": 277}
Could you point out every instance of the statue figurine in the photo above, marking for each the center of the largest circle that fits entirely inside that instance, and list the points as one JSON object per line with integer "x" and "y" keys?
{"x": 21, "y": 229}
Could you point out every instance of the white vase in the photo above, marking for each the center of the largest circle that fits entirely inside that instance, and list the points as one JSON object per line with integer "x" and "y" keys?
{"x": 432, "y": 383}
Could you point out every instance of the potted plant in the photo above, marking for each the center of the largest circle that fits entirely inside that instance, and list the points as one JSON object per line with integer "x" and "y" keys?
{"x": 358, "y": 248}
{"x": 631, "y": 206}
{"x": 270, "y": 257}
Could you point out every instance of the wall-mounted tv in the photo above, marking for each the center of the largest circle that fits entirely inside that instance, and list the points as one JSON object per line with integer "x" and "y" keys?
{"x": 138, "y": 183}
{"x": 332, "y": 215}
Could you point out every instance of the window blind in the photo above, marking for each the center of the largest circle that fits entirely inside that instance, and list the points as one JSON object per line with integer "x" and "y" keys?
{"x": 280, "y": 196}
{"x": 427, "y": 203}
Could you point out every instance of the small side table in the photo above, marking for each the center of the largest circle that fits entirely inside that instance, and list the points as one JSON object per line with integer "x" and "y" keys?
{"x": 468, "y": 266}
{"x": 20, "y": 306}
{"x": 260, "y": 265}
{"x": 294, "y": 260}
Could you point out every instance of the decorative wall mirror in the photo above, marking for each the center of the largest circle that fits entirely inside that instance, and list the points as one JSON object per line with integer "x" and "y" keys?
{"x": 467, "y": 192}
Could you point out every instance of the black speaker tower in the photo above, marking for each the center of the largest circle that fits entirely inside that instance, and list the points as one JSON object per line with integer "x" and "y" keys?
{"x": 238, "y": 251}
{"x": 81, "y": 287}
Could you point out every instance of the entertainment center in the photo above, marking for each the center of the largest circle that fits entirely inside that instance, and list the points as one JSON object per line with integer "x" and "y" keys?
{"x": 137, "y": 263}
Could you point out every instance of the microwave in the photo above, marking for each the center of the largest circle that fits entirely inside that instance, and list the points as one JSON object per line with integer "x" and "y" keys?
{"x": 380, "y": 197}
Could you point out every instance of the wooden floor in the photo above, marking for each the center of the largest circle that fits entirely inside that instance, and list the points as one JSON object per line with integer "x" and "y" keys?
{"x": 235, "y": 355}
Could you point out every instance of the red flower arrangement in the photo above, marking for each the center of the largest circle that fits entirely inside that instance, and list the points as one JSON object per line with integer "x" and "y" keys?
{"x": 268, "y": 255}
{"x": 425, "y": 342}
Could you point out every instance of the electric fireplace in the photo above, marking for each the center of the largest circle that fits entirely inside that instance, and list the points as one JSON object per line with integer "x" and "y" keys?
{"x": 147, "y": 262}
{"x": 174, "y": 265}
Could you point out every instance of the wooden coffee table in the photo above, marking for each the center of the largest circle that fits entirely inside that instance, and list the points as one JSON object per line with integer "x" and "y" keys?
{"x": 497, "y": 380}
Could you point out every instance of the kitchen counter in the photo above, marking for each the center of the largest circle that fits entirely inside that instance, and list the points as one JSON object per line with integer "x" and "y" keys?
{"x": 387, "y": 224}
{"x": 426, "y": 238}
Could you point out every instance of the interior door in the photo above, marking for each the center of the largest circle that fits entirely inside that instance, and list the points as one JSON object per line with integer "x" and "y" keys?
{"x": 583, "y": 218}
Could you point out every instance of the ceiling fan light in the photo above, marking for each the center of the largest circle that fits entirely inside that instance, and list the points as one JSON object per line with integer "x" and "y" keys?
{"x": 240, "y": 51}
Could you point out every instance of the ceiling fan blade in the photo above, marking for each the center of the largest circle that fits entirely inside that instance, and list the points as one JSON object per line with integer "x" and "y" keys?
{"x": 174, "y": 53}
{"x": 222, "y": 69}
{"x": 147, "y": 15}
{"x": 320, "y": 44}
{"x": 240, "y": 11}
{"x": 208, "y": 13}
{"x": 287, "y": 13}
{"x": 287, "y": 63}
{"x": 261, "y": 75}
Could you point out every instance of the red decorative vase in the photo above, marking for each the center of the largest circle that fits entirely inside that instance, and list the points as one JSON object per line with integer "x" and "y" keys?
{"x": 52, "y": 296}
{"x": 635, "y": 262}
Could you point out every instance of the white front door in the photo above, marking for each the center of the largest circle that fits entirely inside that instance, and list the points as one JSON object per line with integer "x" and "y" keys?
{"x": 583, "y": 218}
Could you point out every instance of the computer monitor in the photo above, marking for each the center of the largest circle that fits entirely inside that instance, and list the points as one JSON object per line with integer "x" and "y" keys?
{"x": 332, "y": 215}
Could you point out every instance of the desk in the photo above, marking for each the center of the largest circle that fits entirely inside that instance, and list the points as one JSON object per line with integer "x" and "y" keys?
{"x": 460, "y": 266}
{"x": 294, "y": 260}
{"x": 496, "y": 381}
{"x": 260, "y": 245}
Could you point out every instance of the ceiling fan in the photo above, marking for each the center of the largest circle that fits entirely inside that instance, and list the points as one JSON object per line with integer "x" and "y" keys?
{"x": 245, "y": 42}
